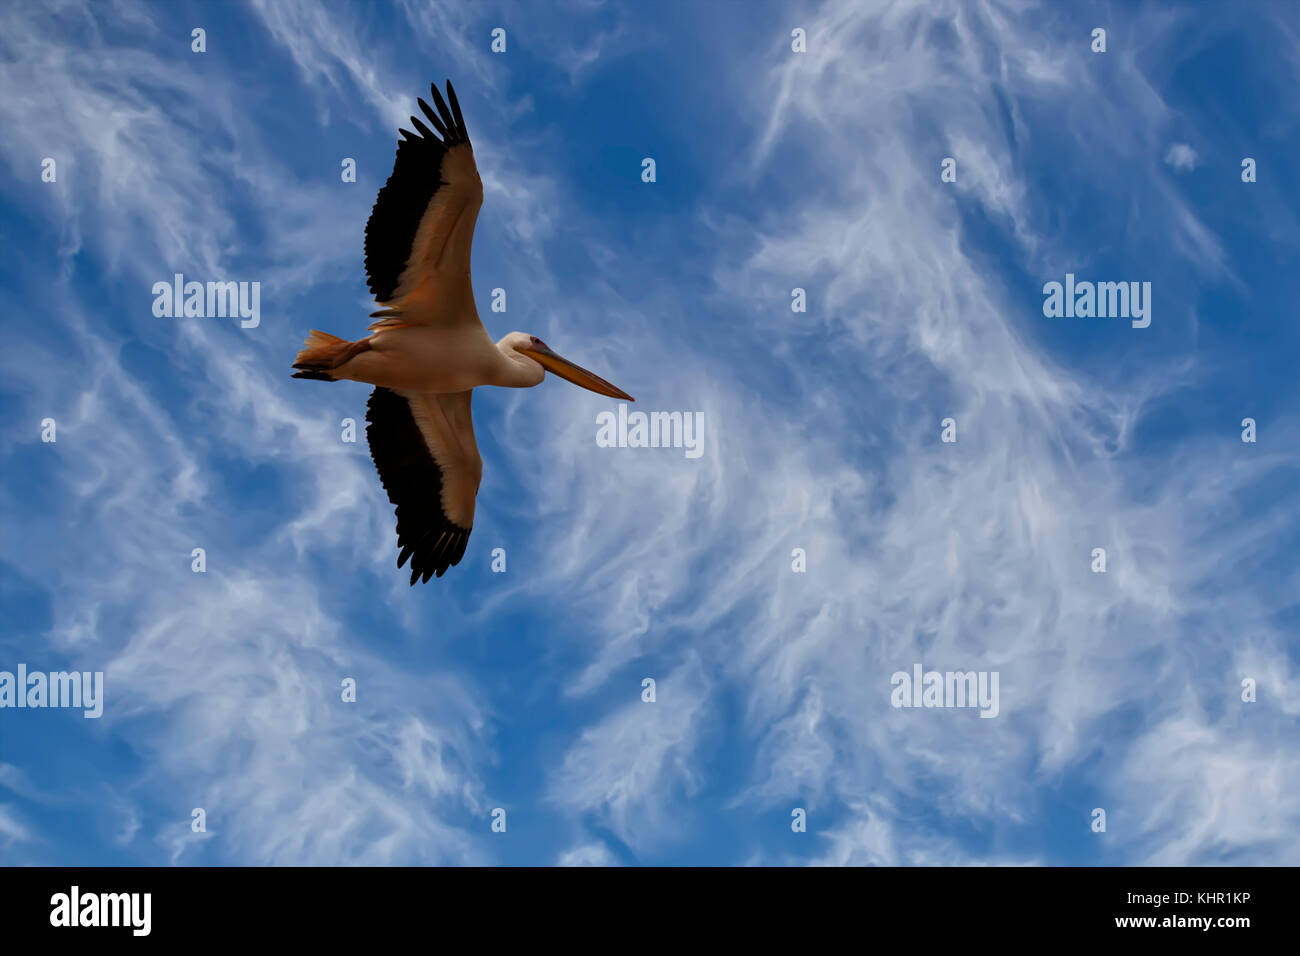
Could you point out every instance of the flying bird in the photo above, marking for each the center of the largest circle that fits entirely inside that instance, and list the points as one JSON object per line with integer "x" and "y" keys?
{"x": 427, "y": 350}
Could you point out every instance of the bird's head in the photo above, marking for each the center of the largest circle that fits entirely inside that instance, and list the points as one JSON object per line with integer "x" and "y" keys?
{"x": 531, "y": 347}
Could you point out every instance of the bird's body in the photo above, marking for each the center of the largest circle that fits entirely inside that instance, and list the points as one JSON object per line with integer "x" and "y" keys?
{"x": 425, "y": 358}
{"x": 429, "y": 349}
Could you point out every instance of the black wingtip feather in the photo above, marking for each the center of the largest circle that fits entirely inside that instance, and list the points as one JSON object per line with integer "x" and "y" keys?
{"x": 455, "y": 111}
{"x": 447, "y": 119}
{"x": 433, "y": 117}
{"x": 423, "y": 130}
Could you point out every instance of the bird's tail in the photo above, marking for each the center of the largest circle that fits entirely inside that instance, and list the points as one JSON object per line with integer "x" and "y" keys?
{"x": 322, "y": 353}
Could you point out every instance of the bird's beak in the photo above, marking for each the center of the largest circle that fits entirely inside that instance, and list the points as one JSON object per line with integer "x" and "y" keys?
{"x": 573, "y": 373}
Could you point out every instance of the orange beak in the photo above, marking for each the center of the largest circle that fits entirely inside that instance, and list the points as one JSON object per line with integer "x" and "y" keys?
{"x": 573, "y": 373}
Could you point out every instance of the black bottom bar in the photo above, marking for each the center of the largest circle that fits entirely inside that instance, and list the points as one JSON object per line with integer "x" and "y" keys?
{"x": 331, "y": 906}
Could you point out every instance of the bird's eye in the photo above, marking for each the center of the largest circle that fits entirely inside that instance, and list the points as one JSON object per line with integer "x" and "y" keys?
{"x": 536, "y": 340}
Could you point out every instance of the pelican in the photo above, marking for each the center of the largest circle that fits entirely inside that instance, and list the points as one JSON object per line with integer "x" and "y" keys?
{"x": 428, "y": 350}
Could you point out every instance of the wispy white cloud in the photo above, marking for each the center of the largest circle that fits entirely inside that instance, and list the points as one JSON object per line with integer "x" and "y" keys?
{"x": 227, "y": 683}
{"x": 11, "y": 831}
{"x": 1181, "y": 157}
{"x": 870, "y": 839}
{"x": 626, "y": 768}
{"x": 968, "y": 556}
{"x": 588, "y": 854}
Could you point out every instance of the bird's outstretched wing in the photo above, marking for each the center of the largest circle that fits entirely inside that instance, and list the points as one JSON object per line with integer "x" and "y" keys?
{"x": 424, "y": 449}
{"x": 422, "y": 225}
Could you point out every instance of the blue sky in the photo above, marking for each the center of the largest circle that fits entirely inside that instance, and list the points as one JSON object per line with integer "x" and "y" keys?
{"x": 776, "y": 170}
